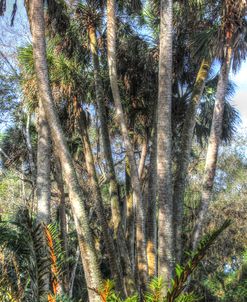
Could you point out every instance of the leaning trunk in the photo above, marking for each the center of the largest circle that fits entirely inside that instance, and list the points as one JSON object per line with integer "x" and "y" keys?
{"x": 62, "y": 220}
{"x": 113, "y": 184}
{"x": 43, "y": 183}
{"x": 184, "y": 155}
{"x": 213, "y": 146}
{"x": 43, "y": 192}
{"x": 144, "y": 153}
{"x": 115, "y": 265}
{"x": 164, "y": 144}
{"x": 135, "y": 182}
{"x": 88, "y": 254}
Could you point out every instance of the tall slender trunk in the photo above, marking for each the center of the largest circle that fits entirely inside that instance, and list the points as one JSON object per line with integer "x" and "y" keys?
{"x": 113, "y": 184}
{"x": 73, "y": 273}
{"x": 164, "y": 143}
{"x": 184, "y": 154}
{"x": 43, "y": 192}
{"x": 114, "y": 262}
{"x": 144, "y": 153}
{"x": 43, "y": 183}
{"x": 93, "y": 277}
{"x": 213, "y": 146}
{"x": 27, "y": 136}
{"x": 130, "y": 223}
{"x": 135, "y": 182}
{"x": 115, "y": 204}
{"x": 62, "y": 219}
{"x": 151, "y": 219}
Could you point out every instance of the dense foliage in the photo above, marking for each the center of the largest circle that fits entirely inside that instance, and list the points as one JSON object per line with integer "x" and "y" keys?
{"x": 123, "y": 166}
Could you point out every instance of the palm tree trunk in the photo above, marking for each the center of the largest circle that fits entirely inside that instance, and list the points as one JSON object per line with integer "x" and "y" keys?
{"x": 130, "y": 223}
{"x": 43, "y": 192}
{"x": 213, "y": 146}
{"x": 144, "y": 153}
{"x": 164, "y": 143}
{"x": 62, "y": 219}
{"x": 184, "y": 154}
{"x": 115, "y": 205}
{"x": 43, "y": 181}
{"x": 135, "y": 182}
{"x": 151, "y": 219}
{"x": 113, "y": 184}
{"x": 27, "y": 136}
{"x": 114, "y": 262}
{"x": 88, "y": 254}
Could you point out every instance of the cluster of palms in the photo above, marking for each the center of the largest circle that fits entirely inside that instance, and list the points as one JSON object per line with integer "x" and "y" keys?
{"x": 155, "y": 97}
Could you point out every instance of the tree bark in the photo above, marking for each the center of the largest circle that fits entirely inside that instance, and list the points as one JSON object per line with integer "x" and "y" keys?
{"x": 135, "y": 182}
{"x": 164, "y": 144}
{"x": 114, "y": 262}
{"x": 113, "y": 184}
{"x": 213, "y": 146}
{"x": 144, "y": 153}
{"x": 184, "y": 155}
{"x": 43, "y": 192}
{"x": 27, "y": 136}
{"x": 151, "y": 219}
{"x": 93, "y": 277}
{"x": 130, "y": 223}
{"x": 62, "y": 219}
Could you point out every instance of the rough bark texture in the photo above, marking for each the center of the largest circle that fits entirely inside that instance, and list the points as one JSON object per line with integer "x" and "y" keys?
{"x": 184, "y": 155}
{"x": 144, "y": 153}
{"x": 114, "y": 262}
{"x": 137, "y": 194}
{"x": 27, "y": 136}
{"x": 151, "y": 219}
{"x": 213, "y": 146}
{"x": 62, "y": 219}
{"x": 113, "y": 184}
{"x": 130, "y": 223}
{"x": 43, "y": 183}
{"x": 88, "y": 254}
{"x": 164, "y": 143}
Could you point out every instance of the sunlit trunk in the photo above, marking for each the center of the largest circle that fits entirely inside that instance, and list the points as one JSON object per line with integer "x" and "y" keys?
{"x": 135, "y": 182}
{"x": 114, "y": 261}
{"x": 184, "y": 154}
{"x": 88, "y": 254}
{"x": 164, "y": 144}
{"x": 213, "y": 146}
{"x": 43, "y": 191}
{"x": 113, "y": 184}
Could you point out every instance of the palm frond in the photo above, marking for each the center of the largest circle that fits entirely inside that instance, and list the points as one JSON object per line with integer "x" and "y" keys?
{"x": 182, "y": 273}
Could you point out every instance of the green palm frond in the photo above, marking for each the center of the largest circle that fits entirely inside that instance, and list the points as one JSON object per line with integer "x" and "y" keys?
{"x": 182, "y": 273}
{"x": 25, "y": 239}
{"x": 231, "y": 117}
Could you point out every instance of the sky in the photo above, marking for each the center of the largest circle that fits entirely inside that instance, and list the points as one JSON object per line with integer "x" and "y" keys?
{"x": 21, "y": 30}
{"x": 240, "y": 98}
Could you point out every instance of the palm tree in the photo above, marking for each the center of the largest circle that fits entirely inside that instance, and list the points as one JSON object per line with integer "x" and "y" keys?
{"x": 90, "y": 18}
{"x": 135, "y": 181}
{"x": 35, "y": 9}
{"x": 164, "y": 145}
{"x": 151, "y": 219}
{"x": 43, "y": 191}
{"x": 184, "y": 154}
{"x": 233, "y": 14}
{"x": 114, "y": 261}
